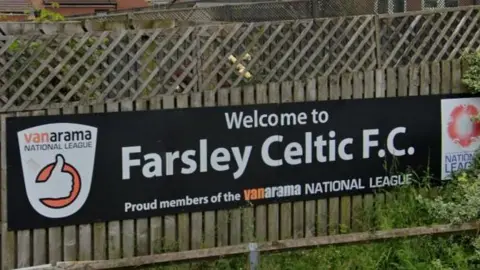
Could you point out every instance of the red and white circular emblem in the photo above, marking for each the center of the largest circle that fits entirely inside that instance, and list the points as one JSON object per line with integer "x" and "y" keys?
{"x": 461, "y": 128}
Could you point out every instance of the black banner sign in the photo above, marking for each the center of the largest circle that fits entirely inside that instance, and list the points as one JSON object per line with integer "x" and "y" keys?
{"x": 75, "y": 169}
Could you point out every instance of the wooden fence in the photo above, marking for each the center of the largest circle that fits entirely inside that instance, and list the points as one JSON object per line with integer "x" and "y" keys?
{"x": 187, "y": 231}
{"x": 74, "y": 66}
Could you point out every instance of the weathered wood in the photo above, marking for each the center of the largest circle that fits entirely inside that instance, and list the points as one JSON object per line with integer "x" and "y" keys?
{"x": 222, "y": 215}
{"x": 369, "y": 77}
{"x": 391, "y": 82}
{"x": 310, "y": 206}
{"x": 286, "y": 218}
{"x": 334, "y": 203}
{"x": 424, "y": 79}
{"x": 100, "y": 251}
{"x": 402, "y": 81}
{"x": 357, "y": 200}
{"x": 357, "y": 213}
{"x": 8, "y": 237}
{"x": 358, "y": 85}
{"x": 322, "y": 217}
{"x": 235, "y": 214}
{"x": 322, "y": 205}
{"x": 196, "y": 219}
{"x": 197, "y": 230}
{"x": 380, "y": 83}
{"x": 85, "y": 245}
{"x": 55, "y": 234}
{"x": 379, "y": 204}
{"x": 299, "y": 207}
{"x": 345, "y": 201}
{"x": 128, "y": 226}
{"x": 70, "y": 244}
{"x": 210, "y": 219}
{"x": 156, "y": 223}
{"x": 273, "y": 246}
{"x": 273, "y": 220}
{"x": 248, "y": 216}
{"x": 456, "y": 76}
{"x": 333, "y": 215}
{"x": 413, "y": 81}
{"x": 184, "y": 218}
{"x": 170, "y": 221}
{"x": 24, "y": 256}
{"x": 113, "y": 232}
{"x": 446, "y": 75}
{"x": 436, "y": 78}
{"x": 261, "y": 93}
{"x": 40, "y": 244}
{"x": 141, "y": 225}
{"x": 368, "y": 206}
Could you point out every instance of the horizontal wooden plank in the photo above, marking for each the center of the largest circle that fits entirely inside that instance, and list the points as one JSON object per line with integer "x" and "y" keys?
{"x": 272, "y": 246}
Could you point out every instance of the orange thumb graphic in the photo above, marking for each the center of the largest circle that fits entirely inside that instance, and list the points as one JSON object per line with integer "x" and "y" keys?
{"x": 63, "y": 180}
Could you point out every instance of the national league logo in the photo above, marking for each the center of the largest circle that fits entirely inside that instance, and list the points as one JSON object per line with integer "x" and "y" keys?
{"x": 57, "y": 163}
{"x": 460, "y": 134}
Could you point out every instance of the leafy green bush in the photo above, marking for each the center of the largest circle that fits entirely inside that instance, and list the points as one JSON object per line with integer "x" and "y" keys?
{"x": 471, "y": 76}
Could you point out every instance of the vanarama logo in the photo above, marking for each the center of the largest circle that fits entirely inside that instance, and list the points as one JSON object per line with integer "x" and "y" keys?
{"x": 272, "y": 192}
{"x": 57, "y": 163}
{"x": 462, "y": 130}
{"x": 41, "y": 141}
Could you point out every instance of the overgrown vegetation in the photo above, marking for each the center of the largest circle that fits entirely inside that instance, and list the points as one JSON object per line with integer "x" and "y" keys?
{"x": 457, "y": 201}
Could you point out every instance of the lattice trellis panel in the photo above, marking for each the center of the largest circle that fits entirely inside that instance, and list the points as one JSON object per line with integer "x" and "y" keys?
{"x": 267, "y": 52}
{"x": 428, "y": 37}
{"x": 37, "y": 70}
{"x": 91, "y": 67}
{"x": 94, "y": 67}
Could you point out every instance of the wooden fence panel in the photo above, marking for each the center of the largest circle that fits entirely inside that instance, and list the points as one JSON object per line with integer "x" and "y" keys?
{"x": 8, "y": 237}
{"x": 261, "y": 215}
{"x": 156, "y": 223}
{"x": 128, "y": 238}
{"x": 235, "y": 214}
{"x": 24, "y": 256}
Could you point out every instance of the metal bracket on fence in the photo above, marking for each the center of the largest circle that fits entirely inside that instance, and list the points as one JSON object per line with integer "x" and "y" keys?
{"x": 253, "y": 256}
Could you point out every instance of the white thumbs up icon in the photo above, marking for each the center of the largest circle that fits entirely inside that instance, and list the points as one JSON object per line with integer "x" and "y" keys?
{"x": 59, "y": 183}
